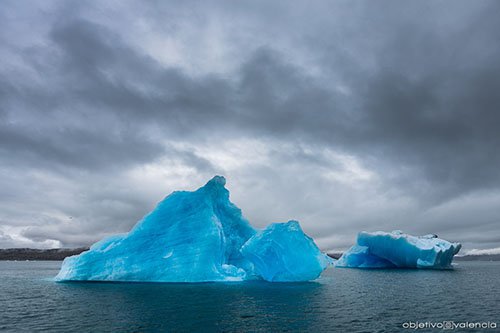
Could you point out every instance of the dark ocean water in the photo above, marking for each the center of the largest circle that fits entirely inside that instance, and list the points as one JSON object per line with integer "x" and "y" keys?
{"x": 343, "y": 300}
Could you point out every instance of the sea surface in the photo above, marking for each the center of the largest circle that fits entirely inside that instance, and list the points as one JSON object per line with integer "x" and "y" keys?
{"x": 342, "y": 300}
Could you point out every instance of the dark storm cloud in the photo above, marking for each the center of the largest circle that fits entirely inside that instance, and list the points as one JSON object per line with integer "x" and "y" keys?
{"x": 434, "y": 101}
{"x": 75, "y": 147}
{"x": 410, "y": 91}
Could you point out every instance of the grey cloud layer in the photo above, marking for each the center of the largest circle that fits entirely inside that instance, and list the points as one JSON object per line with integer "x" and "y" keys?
{"x": 408, "y": 91}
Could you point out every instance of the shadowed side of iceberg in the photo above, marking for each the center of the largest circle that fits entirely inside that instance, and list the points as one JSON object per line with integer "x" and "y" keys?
{"x": 397, "y": 249}
{"x": 195, "y": 237}
{"x": 359, "y": 256}
{"x": 282, "y": 252}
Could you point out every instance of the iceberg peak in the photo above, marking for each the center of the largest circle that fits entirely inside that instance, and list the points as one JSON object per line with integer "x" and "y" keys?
{"x": 215, "y": 189}
{"x": 216, "y": 181}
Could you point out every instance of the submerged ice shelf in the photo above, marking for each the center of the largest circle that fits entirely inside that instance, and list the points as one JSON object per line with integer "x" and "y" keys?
{"x": 197, "y": 237}
{"x": 397, "y": 249}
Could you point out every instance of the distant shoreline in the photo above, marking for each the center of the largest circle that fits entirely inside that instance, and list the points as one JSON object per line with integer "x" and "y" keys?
{"x": 22, "y": 254}
{"x": 478, "y": 257}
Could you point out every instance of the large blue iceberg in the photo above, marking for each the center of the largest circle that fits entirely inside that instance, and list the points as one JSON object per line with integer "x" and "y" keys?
{"x": 199, "y": 236}
{"x": 399, "y": 250}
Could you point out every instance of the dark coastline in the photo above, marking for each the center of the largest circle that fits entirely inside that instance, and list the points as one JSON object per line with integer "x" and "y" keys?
{"x": 60, "y": 254}
{"x": 38, "y": 254}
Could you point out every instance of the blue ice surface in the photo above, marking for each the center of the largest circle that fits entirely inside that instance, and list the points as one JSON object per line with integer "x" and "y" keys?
{"x": 399, "y": 250}
{"x": 359, "y": 256}
{"x": 199, "y": 236}
{"x": 282, "y": 252}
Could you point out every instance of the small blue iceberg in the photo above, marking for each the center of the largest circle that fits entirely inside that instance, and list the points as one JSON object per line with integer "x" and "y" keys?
{"x": 399, "y": 250}
{"x": 199, "y": 236}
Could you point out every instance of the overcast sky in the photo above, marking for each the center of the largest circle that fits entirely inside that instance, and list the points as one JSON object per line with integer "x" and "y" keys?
{"x": 346, "y": 116}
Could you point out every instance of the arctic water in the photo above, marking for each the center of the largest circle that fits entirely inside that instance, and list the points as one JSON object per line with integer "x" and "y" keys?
{"x": 341, "y": 300}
